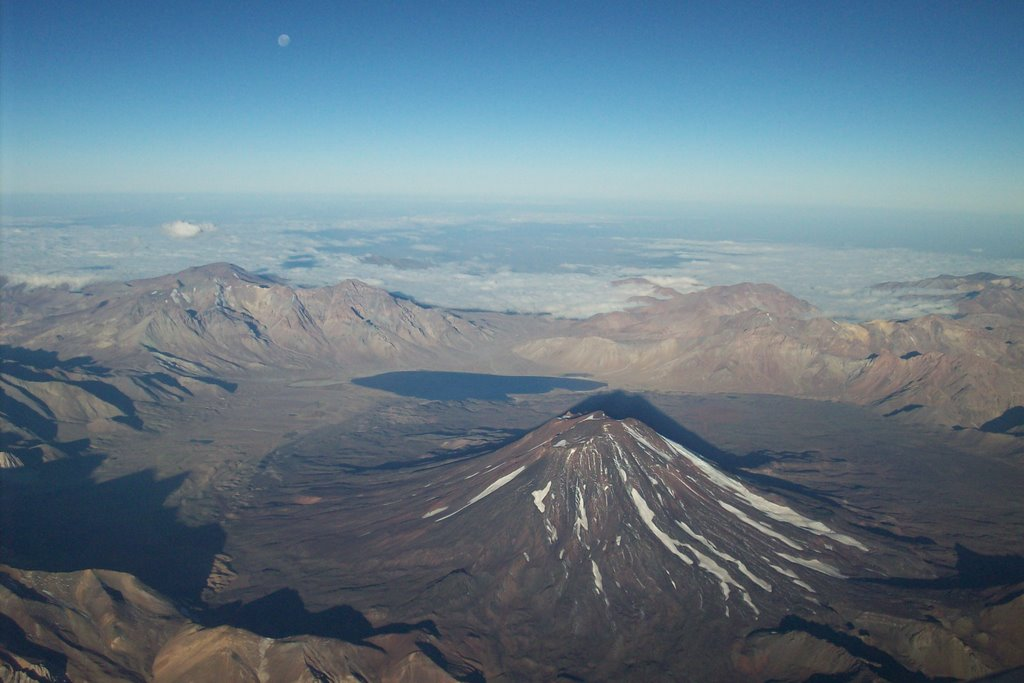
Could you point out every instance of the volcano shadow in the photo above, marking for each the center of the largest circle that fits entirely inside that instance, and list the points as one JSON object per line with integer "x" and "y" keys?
{"x": 620, "y": 405}
{"x": 464, "y": 386}
{"x": 973, "y": 571}
{"x": 56, "y": 518}
{"x": 282, "y": 614}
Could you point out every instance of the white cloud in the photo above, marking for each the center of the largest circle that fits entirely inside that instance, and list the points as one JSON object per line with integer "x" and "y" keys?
{"x": 564, "y": 293}
{"x": 836, "y": 280}
{"x": 35, "y": 280}
{"x": 680, "y": 283}
{"x": 184, "y": 229}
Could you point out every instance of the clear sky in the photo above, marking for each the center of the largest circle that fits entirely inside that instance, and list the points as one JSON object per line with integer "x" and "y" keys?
{"x": 889, "y": 104}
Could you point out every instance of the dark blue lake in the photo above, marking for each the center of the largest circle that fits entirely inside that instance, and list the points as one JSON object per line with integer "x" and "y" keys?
{"x": 458, "y": 386}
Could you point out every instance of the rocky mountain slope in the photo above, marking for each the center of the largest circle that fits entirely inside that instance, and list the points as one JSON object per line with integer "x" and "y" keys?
{"x": 77, "y": 363}
{"x": 96, "y": 625}
{"x": 50, "y": 407}
{"x": 221, "y": 320}
{"x": 957, "y": 370}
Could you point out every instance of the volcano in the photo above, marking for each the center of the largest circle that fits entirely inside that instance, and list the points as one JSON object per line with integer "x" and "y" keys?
{"x": 615, "y": 493}
{"x": 591, "y": 548}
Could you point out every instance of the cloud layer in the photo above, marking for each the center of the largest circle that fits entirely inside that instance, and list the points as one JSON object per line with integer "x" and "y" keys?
{"x": 562, "y": 265}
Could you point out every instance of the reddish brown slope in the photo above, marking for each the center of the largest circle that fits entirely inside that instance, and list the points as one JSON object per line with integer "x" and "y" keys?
{"x": 965, "y": 369}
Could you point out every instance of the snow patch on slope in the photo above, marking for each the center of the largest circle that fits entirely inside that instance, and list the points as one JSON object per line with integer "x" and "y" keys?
{"x": 725, "y": 557}
{"x": 539, "y": 495}
{"x": 581, "y": 515}
{"x": 647, "y": 515}
{"x": 598, "y": 582}
{"x": 816, "y": 565}
{"x": 647, "y": 444}
{"x": 497, "y": 484}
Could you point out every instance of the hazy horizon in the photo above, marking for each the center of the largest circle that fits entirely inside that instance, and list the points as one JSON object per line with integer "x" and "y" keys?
{"x": 557, "y": 258}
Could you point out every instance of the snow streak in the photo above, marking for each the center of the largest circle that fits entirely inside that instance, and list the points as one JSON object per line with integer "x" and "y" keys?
{"x": 497, "y": 484}
{"x": 780, "y": 513}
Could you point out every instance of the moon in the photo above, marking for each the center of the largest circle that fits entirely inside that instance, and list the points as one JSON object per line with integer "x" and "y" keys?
{"x": 284, "y": 39}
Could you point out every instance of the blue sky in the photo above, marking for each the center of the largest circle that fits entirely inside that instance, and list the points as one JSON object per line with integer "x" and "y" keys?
{"x": 895, "y": 104}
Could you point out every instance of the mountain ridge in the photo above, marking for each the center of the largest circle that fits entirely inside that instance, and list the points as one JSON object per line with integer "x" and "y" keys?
{"x": 962, "y": 370}
{"x": 220, "y": 318}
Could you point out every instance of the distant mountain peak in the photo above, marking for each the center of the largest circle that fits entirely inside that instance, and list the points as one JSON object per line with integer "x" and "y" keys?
{"x": 205, "y": 275}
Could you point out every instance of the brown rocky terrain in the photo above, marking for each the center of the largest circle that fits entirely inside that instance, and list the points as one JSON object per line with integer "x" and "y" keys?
{"x": 219, "y": 320}
{"x": 194, "y": 489}
{"x": 49, "y": 407}
{"x": 960, "y": 370}
{"x": 96, "y": 625}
